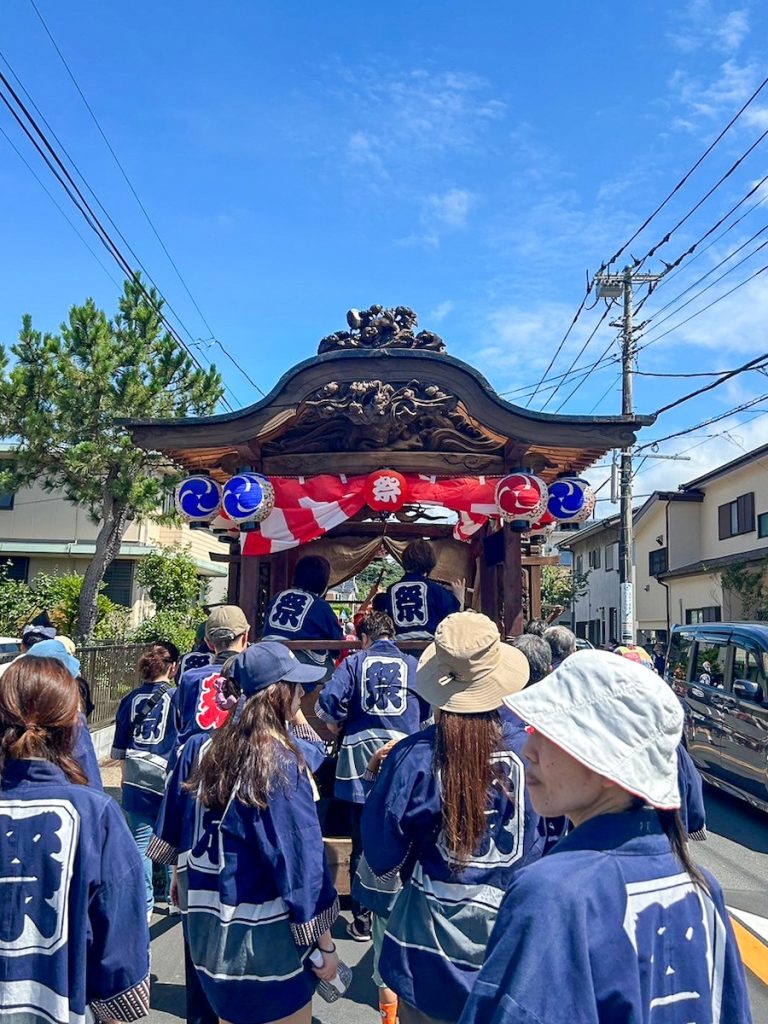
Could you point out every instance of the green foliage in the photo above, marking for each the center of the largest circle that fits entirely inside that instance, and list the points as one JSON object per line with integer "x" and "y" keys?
{"x": 365, "y": 579}
{"x": 750, "y": 585}
{"x": 169, "y": 625}
{"x": 56, "y": 594}
{"x": 560, "y": 585}
{"x": 170, "y": 577}
{"x": 63, "y": 398}
{"x": 17, "y": 605}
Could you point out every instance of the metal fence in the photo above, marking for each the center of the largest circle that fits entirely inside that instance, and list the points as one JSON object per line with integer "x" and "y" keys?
{"x": 111, "y": 673}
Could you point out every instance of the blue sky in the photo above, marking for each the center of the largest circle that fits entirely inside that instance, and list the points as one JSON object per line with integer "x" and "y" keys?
{"x": 471, "y": 161}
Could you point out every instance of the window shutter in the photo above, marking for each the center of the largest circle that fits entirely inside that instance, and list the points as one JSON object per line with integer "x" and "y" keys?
{"x": 745, "y": 512}
{"x": 724, "y": 521}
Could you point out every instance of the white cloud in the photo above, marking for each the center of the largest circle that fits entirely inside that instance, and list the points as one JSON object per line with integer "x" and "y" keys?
{"x": 449, "y": 209}
{"x": 701, "y": 25}
{"x": 440, "y": 312}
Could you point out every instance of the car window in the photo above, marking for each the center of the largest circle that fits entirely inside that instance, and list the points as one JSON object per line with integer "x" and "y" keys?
{"x": 709, "y": 669}
{"x": 677, "y": 656}
{"x": 748, "y": 674}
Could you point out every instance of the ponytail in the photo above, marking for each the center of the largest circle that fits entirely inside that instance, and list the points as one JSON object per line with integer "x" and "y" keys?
{"x": 672, "y": 826}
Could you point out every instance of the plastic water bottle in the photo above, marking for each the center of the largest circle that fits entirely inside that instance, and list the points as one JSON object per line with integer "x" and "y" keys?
{"x": 334, "y": 989}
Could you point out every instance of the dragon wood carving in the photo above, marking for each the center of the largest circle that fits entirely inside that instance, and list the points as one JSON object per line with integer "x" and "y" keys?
{"x": 377, "y": 327}
{"x": 372, "y": 414}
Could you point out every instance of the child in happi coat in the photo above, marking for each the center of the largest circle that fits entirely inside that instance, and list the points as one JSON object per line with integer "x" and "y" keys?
{"x": 74, "y": 943}
{"x": 448, "y": 810}
{"x": 371, "y": 698}
{"x": 258, "y": 891}
{"x": 145, "y": 740}
{"x": 616, "y": 923}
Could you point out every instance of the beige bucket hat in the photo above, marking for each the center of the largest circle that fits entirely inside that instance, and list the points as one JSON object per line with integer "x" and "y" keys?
{"x": 468, "y": 669}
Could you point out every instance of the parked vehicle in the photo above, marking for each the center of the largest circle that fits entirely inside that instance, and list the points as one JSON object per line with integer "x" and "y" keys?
{"x": 583, "y": 645}
{"x": 9, "y": 645}
{"x": 720, "y": 673}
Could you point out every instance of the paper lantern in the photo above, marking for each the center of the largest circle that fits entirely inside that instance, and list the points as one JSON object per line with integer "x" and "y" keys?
{"x": 546, "y": 524}
{"x": 521, "y": 499}
{"x": 198, "y": 499}
{"x": 248, "y": 498}
{"x": 571, "y": 500}
{"x": 386, "y": 491}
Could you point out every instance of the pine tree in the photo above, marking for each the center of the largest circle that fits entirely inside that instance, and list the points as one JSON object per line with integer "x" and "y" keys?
{"x": 62, "y": 402}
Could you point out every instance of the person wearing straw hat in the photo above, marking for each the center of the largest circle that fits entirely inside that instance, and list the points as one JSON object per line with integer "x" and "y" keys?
{"x": 616, "y": 923}
{"x": 449, "y": 809}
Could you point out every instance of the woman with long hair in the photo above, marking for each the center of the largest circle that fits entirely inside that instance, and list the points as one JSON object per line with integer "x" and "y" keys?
{"x": 258, "y": 892}
{"x": 145, "y": 740}
{"x": 616, "y": 923}
{"x": 73, "y": 930}
{"x": 448, "y": 810}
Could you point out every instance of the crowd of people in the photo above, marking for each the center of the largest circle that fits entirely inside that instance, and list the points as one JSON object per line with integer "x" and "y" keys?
{"x": 520, "y": 815}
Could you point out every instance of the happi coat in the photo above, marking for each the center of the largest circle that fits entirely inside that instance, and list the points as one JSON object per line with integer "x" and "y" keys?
{"x": 147, "y": 749}
{"x": 440, "y": 923}
{"x": 417, "y": 605}
{"x": 84, "y": 753}
{"x": 74, "y": 942}
{"x": 255, "y": 887}
{"x": 194, "y": 701}
{"x": 296, "y": 614}
{"x": 371, "y": 696}
{"x": 609, "y": 928}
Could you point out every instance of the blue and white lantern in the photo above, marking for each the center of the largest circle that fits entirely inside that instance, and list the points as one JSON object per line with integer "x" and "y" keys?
{"x": 248, "y": 498}
{"x": 571, "y": 500}
{"x": 198, "y": 499}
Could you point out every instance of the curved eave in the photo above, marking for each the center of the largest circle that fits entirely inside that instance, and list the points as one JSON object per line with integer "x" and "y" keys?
{"x": 266, "y": 417}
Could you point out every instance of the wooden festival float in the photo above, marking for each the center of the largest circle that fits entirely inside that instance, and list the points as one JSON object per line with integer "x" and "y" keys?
{"x": 360, "y": 449}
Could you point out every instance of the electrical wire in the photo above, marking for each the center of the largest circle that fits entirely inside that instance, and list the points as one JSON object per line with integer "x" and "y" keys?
{"x": 714, "y": 384}
{"x": 581, "y": 383}
{"x": 76, "y": 196}
{"x": 135, "y": 194}
{"x": 705, "y": 423}
{"x": 578, "y": 356}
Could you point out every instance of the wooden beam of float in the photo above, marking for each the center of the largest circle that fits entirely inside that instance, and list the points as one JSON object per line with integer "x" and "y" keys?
{"x": 380, "y": 396}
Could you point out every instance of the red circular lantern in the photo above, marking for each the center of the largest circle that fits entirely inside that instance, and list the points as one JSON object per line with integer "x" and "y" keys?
{"x": 521, "y": 499}
{"x": 386, "y": 491}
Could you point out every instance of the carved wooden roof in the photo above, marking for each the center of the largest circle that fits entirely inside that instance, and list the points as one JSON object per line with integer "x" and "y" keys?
{"x": 352, "y": 410}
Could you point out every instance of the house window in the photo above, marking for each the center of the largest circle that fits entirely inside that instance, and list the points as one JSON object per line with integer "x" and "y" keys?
{"x": 580, "y": 564}
{"x": 594, "y": 558}
{"x": 762, "y": 524}
{"x": 709, "y": 614}
{"x": 736, "y": 517}
{"x": 657, "y": 562}
{"x": 608, "y": 557}
{"x": 15, "y": 568}
{"x": 119, "y": 582}
{"x": 6, "y": 501}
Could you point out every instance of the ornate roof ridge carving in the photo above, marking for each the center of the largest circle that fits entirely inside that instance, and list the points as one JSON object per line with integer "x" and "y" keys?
{"x": 377, "y": 327}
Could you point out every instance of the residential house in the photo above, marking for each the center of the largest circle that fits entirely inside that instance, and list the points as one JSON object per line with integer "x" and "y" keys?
{"x": 683, "y": 541}
{"x": 43, "y": 532}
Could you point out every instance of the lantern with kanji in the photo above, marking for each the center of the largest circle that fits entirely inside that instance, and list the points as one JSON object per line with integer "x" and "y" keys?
{"x": 386, "y": 491}
{"x": 571, "y": 500}
{"x": 198, "y": 499}
{"x": 521, "y": 499}
{"x": 248, "y": 498}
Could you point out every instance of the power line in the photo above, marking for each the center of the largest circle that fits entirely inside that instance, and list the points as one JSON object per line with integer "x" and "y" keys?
{"x": 133, "y": 190}
{"x": 76, "y": 196}
{"x": 595, "y": 365}
{"x": 705, "y": 423}
{"x": 728, "y": 375}
{"x": 578, "y": 356}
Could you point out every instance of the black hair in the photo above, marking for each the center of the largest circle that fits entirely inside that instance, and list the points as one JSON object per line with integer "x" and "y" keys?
{"x": 419, "y": 557}
{"x": 674, "y": 830}
{"x": 537, "y": 653}
{"x": 312, "y": 573}
{"x": 173, "y": 650}
{"x": 379, "y": 603}
{"x": 376, "y": 625}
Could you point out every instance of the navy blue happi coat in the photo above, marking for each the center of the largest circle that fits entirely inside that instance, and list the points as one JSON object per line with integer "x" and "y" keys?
{"x": 609, "y": 928}
{"x": 417, "y": 605}
{"x": 74, "y": 942}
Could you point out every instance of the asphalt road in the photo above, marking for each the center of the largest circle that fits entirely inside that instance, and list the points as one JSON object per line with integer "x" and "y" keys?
{"x": 736, "y": 852}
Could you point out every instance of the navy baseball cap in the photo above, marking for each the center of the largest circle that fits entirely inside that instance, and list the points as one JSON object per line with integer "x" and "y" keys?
{"x": 268, "y": 662}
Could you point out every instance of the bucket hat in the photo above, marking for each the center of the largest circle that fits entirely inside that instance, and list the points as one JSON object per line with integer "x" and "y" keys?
{"x": 468, "y": 669}
{"x": 268, "y": 662}
{"x": 613, "y": 716}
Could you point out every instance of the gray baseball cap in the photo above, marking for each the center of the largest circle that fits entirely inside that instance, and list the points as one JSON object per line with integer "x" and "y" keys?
{"x": 225, "y": 623}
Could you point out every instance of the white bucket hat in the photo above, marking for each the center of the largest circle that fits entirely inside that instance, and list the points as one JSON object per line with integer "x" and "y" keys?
{"x": 468, "y": 669}
{"x": 613, "y": 716}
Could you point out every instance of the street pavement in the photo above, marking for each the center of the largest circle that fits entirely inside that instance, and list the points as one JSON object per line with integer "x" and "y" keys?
{"x": 736, "y": 852}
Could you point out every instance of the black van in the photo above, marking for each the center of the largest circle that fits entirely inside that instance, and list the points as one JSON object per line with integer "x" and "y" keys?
{"x": 720, "y": 673}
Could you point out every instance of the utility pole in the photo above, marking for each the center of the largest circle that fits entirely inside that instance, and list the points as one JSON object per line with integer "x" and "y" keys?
{"x": 612, "y": 286}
